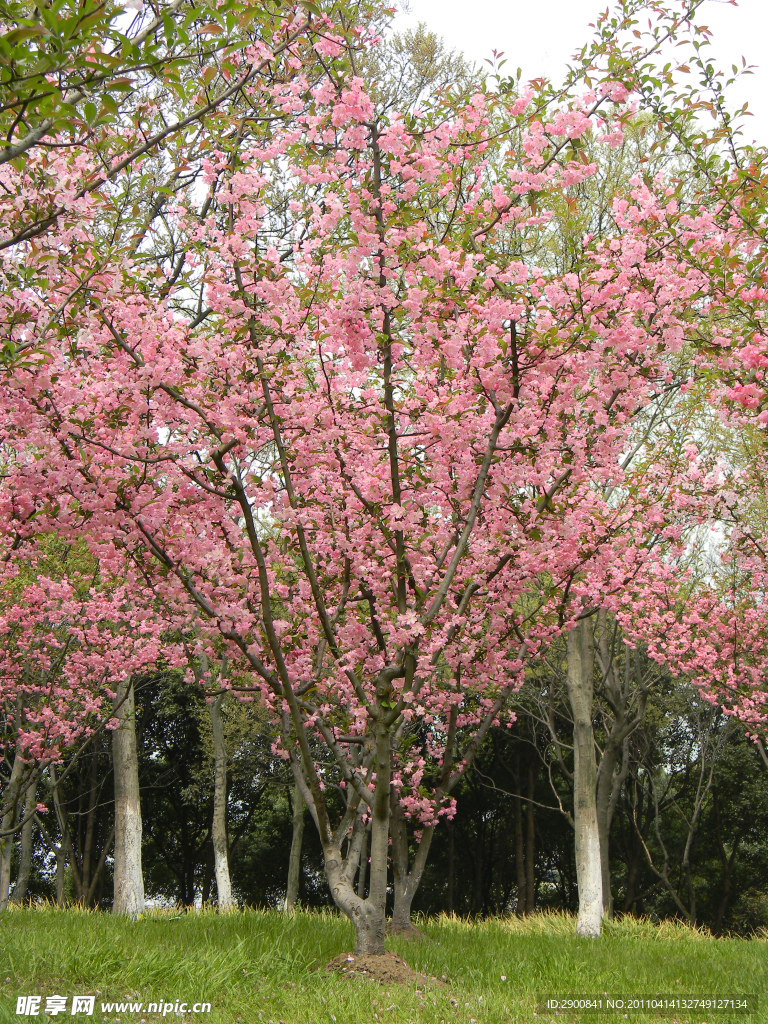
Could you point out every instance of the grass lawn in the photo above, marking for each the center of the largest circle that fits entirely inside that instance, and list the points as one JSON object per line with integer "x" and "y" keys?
{"x": 263, "y": 967}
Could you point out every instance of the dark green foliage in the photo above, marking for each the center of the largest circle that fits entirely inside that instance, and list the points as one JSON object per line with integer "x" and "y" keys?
{"x": 513, "y": 804}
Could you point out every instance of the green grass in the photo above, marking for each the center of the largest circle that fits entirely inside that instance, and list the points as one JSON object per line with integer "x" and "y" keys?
{"x": 260, "y": 967}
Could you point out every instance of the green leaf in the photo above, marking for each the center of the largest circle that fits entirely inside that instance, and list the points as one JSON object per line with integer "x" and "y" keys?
{"x": 169, "y": 28}
{"x": 24, "y": 33}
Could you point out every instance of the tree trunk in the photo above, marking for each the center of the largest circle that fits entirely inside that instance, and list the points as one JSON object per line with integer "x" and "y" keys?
{"x": 401, "y": 911}
{"x": 10, "y": 805}
{"x": 61, "y": 869}
{"x": 369, "y": 915}
{"x": 581, "y": 653}
{"x": 294, "y": 861}
{"x": 530, "y": 843}
{"x": 129, "y": 884}
{"x": 208, "y": 873}
{"x": 362, "y": 874}
{"x": 406, "y": 881}
{"x": 477, "y": 883}
{"x": 451, "y": 863}
{"x": 25, "y": 860}
{"x": 219, "y": 825}
{"x": 605, "y": 785}
{"x": 727, "y": 862}
{"x": 519, "y": 853}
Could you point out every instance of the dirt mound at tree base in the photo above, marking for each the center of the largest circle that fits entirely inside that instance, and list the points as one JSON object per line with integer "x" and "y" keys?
{"x": 386, "y": 968}
{"x": 408, "y": 931}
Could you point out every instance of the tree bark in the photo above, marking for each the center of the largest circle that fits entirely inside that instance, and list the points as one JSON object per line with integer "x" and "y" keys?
{"x": 519, "y": 851}
{"x": 25, "y": 860}
{"x": 477, "y": 882}
{"x": 581, "y": 655}
{"x": 129, "y": 883}
{"x": 727, "y": 862}
{"x": 401, "y": 911}
{"x": 219, "y": 824}
{"x": 208, "y": 873}
{"x": 10, "y": 805}
{"x": 606, "y": 783}
{"x": 368, "y": 915}
{"x": 362, "y": 874}
{"x": 61, "y": 868}
{"x": 451, "y": 863}
{"x": 610, "y": 774}
{"x": 406, "y": 882}
{"x": 530, "y": 842}
{"x": 294, "y": 861}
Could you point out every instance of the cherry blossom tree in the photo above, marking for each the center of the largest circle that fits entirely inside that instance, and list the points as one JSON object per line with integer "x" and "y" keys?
{"x": 352, "y": 429}
{"x": 72, "y": 635}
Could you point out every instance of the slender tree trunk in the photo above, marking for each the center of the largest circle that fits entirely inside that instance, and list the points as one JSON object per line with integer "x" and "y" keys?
{"x": 726, "y": 891}
{"x": 129, "y": 883}
{"x": 530, "y": 843}
{"x": 59, "y": 850}
{"x": 219, "y": 825}
{"x": 94, "y": 886}
{"x": 10, "y": 804}
{"x": 581, "y": 653}
{"x": 610, "y": 775}
{"x": 401, "y": 910}
{"x": 61, "y": 868}
{"x": 451, "y": 863}
{"x": 519, "y": 853}
{"x": 605, "y": 784}
{"x": 294, "y": 861}
{"x": 25, "y": 861}
{"x": 477, "y": 885}
{"x": 90, "y": 823}
{"x": 362, "y": 874}
{"x": 406, "y": 879}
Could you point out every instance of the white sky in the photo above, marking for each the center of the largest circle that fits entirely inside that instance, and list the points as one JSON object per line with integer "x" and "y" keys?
{"x": 540, "y": 36}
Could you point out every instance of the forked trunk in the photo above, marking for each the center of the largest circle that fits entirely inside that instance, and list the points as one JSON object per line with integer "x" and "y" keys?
{"x": 581, "y": 653}
{"x": 367, "y": 915}
{"x": 219, "y": 824}
{"x": 129, "y": 883}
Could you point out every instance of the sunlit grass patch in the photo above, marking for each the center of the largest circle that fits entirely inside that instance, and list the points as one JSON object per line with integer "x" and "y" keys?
{"x": 257, "y": 966}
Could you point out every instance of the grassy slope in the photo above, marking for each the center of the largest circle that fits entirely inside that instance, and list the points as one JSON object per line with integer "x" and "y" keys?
{"x": 256, "y": 967}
